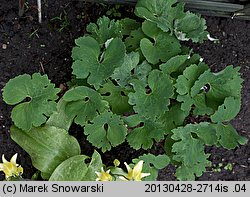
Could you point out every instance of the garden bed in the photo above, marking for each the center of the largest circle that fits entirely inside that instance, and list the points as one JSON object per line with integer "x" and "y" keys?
{"x": 28, "y": 47}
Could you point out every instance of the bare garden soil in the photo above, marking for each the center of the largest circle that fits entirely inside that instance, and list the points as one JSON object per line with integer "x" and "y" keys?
{"x": 28, "y": 47}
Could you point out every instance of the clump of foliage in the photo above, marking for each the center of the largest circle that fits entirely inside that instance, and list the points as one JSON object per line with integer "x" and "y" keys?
{"x": 134, "y": 81}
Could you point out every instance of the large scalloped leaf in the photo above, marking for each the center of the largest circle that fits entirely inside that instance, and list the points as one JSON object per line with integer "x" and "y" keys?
{"x": 48, "y": 146}
{"x": 190, "y": 141}
{"x": 41, "y": 94}
{"x": 90, "y": 62}
{"x": 128, "y": 25}
{"x": 205, "y": 132}
{"x": 227, "y": 111}
{"x": 161, "y": 49}
{"x": 185, "y": 82}
{"x": 186, "y": 173}
{"x": 145, "y": 132}
{"x": 183, "y": 85}
{"x": 173, "y": 64}
{"x": 123, "y": 74}
{"x": 131, "y": 70}
{"x": 59, "y": 118}
{"x": 191, "y": 26}
{"x": 190, "y": 152}
{"x": 161, "y": 12}
{"x": 223, "y": 84}
{"x": 228, "y": 136}
{"x": 105, "y": 131}
{"x": 84, "y": 104}
{"x": 177, "y": 64}
{"x": 104, "y": 29}
{"x": 152, "y": 164}
{"x": 132, "y": 42}
{"x": 142, "y": 71}
{"x": 117, "y": 97}
{"x": 173, "y": 118}
{"x": 150, "y": 29}
{"x": 154, "y": 103}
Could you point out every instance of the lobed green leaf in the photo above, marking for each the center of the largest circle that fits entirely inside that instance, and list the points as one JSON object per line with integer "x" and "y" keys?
{"x": 228, "y": 136}
{"x": 189, "y": 146}
{"x": 117, "y": 97}
{"x": 83, "y": 104}
{"x": 145, "y": 133}
{"x": 161, "y": 49}
{"x": 191, "y": 26}
{"x": 152, "y": 164}
{"x": 161, "y": 12}
{"x": 132, "y": 42}
{"x": 41, "y": 95}
{"x": 122, "y": 74}
{"x": 105, "y": 131}
{"x": 223, "y": 84}
{"x": 104, "y": 29}
{"x": 90, "y": 62}
{"x": 189, "y": 151}
{"x": 227, "y": 111}
{"x": 157, "y": 100}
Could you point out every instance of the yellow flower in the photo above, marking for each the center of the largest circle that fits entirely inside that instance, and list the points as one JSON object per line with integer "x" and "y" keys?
{"x": 134, "y": 174}
{"x": 103, "y": 175}
{"x": 11, "y": 168}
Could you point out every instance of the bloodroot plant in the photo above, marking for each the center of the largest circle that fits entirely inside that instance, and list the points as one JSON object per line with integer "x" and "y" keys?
{"x": 133, "y": 81}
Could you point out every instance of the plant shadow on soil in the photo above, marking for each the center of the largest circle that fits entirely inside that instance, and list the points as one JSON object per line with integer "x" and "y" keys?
{"x": 28, "y": 47}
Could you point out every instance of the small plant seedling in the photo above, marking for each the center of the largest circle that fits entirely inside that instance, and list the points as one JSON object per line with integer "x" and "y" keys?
{"x": 228, "y": 167}
{"x": 220, "y": 166}
{"x": 34, "y": 33}
{"x": 63, "y": 21}
{"x": 114, "y": 11}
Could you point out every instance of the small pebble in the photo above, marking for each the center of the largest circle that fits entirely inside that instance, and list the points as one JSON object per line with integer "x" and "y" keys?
{"x": 4, "y": 46}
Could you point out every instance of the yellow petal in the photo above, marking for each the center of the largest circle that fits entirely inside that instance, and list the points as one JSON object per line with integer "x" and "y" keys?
{"x": 138, "y": 168}
{"x": 129, "y": 169}
{"x": 2, "y": 167}
{"x": 3, "y": 159}
{"x": 144, "y": 175}
{"x": 98, "y": 173}
{"x": 13, "y": 159}
{"x": 103, "y": 176}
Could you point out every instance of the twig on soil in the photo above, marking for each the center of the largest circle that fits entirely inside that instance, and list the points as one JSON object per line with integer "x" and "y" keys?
{"x": 21, "y": 7}
{"x": 41, "y": 65}
{"x": 39, "y": 8}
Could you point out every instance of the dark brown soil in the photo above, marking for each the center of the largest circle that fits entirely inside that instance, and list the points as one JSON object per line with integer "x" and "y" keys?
{"x": 27, "y": 47}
